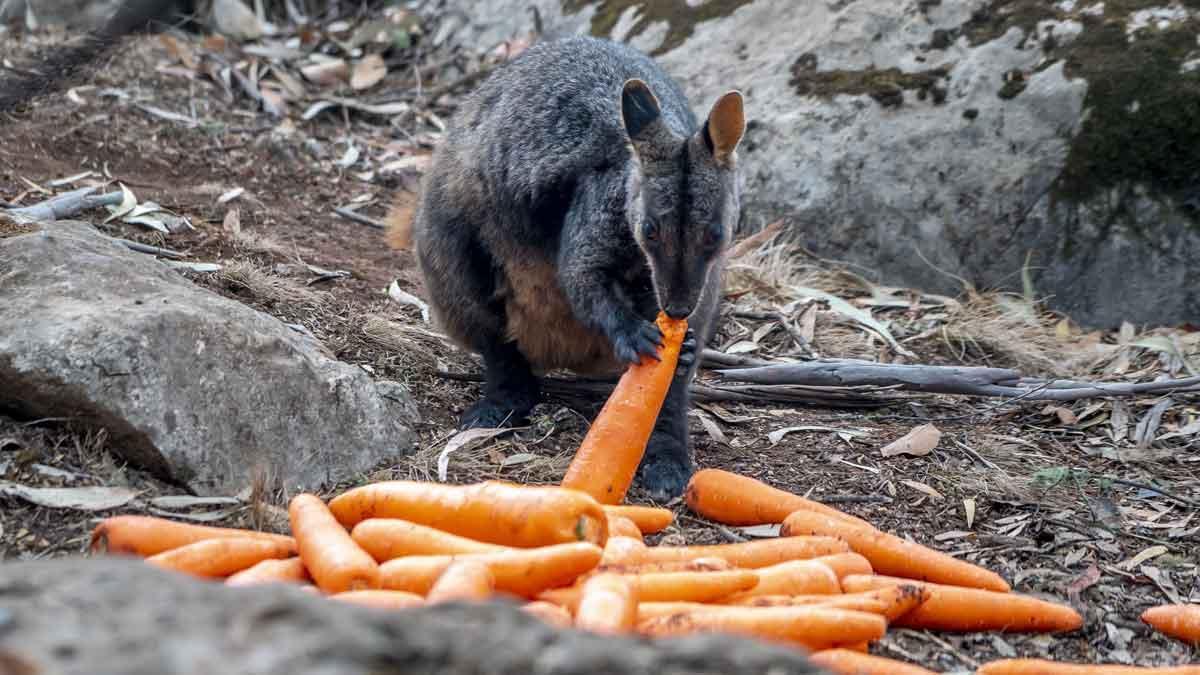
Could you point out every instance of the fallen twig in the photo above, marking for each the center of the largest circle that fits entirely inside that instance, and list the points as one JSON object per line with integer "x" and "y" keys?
{"x": 152, "y": 250}
{"x": 67, "y": 204}
{"x": 357, "y": 217}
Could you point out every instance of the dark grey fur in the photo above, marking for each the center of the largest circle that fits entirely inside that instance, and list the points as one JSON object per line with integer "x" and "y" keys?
{"x": 573, "y": 196}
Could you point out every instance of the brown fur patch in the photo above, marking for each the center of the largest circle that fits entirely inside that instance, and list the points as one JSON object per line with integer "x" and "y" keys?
{"x": 399, "y": 220}
{"x": 545, "y": 329}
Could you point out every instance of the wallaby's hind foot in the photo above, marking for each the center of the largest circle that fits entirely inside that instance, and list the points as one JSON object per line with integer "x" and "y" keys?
{"x": 667, "y": 465}
{"x": 510, "y": 391}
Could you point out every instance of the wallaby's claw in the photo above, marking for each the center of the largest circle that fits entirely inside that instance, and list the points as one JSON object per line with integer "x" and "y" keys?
{"x": 687, "y": 354}
{"x": 641, "y": 339}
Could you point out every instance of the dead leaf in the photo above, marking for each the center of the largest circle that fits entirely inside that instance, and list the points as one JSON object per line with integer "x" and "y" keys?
{"x": 969, "y": 510}
{"x": 1119, "y": 420}
{"x": 78, "y": 498}
{"x": 1147, "y": 554}
{"x": 778, "y": 434}
{"x": 177, "y": 502}
{"x": 768, "y": 531}
{"x": 202, "y": 517}
{"x": 127, "y": 205}
{"x": 402, "y": 297}
{"x": 808, "y": 323}
{"x": 1083, "y": 582}
{"x": 471, "y": 438}
{"x": 178, "y": 51}
{"x": 921, "y": 487}
{"x": 919, "y": 442}
{"x": 1065, "y": 415}
{"x": 326, "y": 73}
{"x": 742, "y": 347}
{"x": 368, "y": 72}
{"x": 519, "y": 458}
{"x": 233, "y": 222}
{"x": 1147, "y": 427}
{"x": 712, "y": 428}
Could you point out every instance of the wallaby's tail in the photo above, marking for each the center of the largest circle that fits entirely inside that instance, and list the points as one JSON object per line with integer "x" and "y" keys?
{"x": 399, "y": 221}
{"x": 62, "y": 62}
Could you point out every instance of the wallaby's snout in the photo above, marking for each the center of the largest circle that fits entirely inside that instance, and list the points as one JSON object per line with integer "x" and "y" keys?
{"x": 679, "y": 310}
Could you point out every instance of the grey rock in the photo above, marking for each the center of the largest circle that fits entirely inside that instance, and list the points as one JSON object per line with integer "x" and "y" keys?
{"x": 122, "y": 617}
{"x": 932, "y": 140}
{"x": 196, "y": 387}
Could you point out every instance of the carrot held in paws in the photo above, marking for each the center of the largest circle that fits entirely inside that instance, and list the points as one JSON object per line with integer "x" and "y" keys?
{"x": 891, "y": 555}
{"x": 608, "y": 604}
{"x": 493, "y": 512}
{"x": 218, "y": 557}
{"x": 288, "y": 571}
{"x": 608, "y": 458}
{"x": 387, "y": 538}
{"x": 146, "y": 535}
{"x": 851, "y": 662}
{"x": 814, "y": 627}
{"x": 332, "y": 558}
{"x": 463, "y": 580}
{"x": 1181, "y": 622}
{"x": 1044, "y": 667}
{"x": 734, "y": 499}
{"x": 649, "y": 519}
{"x": 955, "y": 608}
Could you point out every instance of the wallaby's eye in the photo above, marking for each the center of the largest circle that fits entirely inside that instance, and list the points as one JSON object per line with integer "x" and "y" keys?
{"x": 650, "y": 230}
{"x": 713, "y": 236}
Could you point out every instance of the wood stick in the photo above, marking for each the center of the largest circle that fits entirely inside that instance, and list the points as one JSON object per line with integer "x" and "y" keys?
{"x": 67, "y": 204}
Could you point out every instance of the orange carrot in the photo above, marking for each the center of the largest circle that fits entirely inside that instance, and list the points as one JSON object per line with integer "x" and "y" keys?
{"x": 332, "y": 558}
{"x": 387, "y": 538}
{"x": 795, "y": 577}
{"x": 669, "y": 587}
{"x": 1044, "y": 667}
{"x": 620, "y": 526}
{"x": 608, "y": 458}
{"x": 851, "y": 662}
{"x": 844, "y": 564}
{"x": 891, "y": 602}
{"x": 463, "y": 580}
{"x": 955, "y": 608}
{"x": 218, "y": 557}
{"x": 814, "y": 627}
{"x": 607, "y": 604}
{"x": 550, "y": 613}
{"x": 697, "y": 565}
{"x": 289, "y": 570}
{"x": 493, "y": 512}
{"x": 146, "y": 535}
{"x": 649, "y": 519}
{"x": 740, "y": 500}
{"x": 523, "y": 572}
{"x": 750, "y": 554}
{"x": 373, "y": 597}
{"x": 891, "y": 555}
{"x": 1181, "y": 622}
{"x": 620, "y": 550}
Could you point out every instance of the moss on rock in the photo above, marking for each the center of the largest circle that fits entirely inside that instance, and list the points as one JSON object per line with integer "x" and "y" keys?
{"x": 680, "y": 17}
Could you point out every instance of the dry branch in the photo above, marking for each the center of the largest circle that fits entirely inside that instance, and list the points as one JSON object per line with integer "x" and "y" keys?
{"x": 67, "y": 204}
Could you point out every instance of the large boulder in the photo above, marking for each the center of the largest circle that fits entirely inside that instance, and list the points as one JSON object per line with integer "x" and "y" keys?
{"x": 932, "y": 140}
{"x": 122, "y": 617}
{"x": 196, "y": 387}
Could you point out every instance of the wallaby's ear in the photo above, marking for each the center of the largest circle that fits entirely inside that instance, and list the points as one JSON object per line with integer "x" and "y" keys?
{"x": 725, "y": 126}
{"x": 639, "y": 108}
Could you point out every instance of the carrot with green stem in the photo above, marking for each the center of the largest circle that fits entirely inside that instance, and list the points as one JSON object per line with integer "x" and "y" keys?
{"x": 734, "y": 499}
{"x": 891, "y": 555}
{"x": 214, "y": 558}
{"x": 957, "y": 608}
{"x": 333, "y": 559}
{"x": 492, "y": 512}
{"x": 387, "y": 538}
{"x": 813, "y": 627}
{"x": 1181, "y": 622}
{"x": 147, "y": 535}
{"x": 607, "y": 605}
{"x": 606, "y": 461}
{"x": 271, "y": 571}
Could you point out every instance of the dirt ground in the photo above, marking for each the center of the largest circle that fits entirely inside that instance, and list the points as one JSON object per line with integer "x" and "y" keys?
{"x": 1063, "y": 503}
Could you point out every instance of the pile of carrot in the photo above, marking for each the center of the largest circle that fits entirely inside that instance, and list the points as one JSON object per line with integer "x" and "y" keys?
{"x": 573, "y": 556}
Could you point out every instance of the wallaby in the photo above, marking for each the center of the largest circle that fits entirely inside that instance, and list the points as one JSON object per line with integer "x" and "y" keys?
{"x": 573, "y": 196}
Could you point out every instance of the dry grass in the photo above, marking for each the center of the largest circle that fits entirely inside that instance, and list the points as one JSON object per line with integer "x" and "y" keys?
{"x": 246, "y": 277}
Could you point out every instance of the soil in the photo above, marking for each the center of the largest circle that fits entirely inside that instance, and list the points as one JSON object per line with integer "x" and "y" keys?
{"x": 1056, "y": 512}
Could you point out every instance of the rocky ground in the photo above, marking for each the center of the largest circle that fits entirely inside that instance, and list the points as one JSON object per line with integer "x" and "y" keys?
{"x": 1092, "y": 503}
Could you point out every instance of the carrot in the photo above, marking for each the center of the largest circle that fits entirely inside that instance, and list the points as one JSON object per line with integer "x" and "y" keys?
{"x": 289, "y": 570}
{"x": 608, "y": 458}
{"x": 668, "y": 587}
{"x": 1044, "y": 667}
{"x": 954, "y": 608}
{"x": 851, "y": 662}
{"x": 493, "y": 512}
{"x": 523, "y": 572}
{"x": 844, "y": 564}
{"x": 1181, "y": 622}
{"x": 734, "y": 499}
{"x": 218, "y": 557}
{"x": 387, "y": 538}
{"x": 623, "y": 527}
{"x": 607, "y": 604}
{"x": 550, "y": 613}
{"x": 891, "y": 555}
{"x": 812, "y": 627}
{"x": 620, "y": 550}
{"x": 146, "y": 535}
{"x": 795, "y": 577}
{"x": 463, "y": 580}
{"x": 891, "y": 602}
{"x": 649, "y": 519}
{"x": 374, "y": 597}
{"x": 749, "y": 554}
{"x": 697, "y": 565}
{"x": 332, "y": 558}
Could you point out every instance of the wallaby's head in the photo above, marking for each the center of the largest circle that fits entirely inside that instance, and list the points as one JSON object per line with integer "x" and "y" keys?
{"x": 683, "y": 201}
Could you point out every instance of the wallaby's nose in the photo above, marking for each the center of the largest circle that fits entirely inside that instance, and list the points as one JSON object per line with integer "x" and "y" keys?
{"x": 677, "y": 310}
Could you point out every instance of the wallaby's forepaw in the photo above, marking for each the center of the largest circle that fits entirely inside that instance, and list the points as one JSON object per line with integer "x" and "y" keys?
{"x": 687, "y": 354}
{"x": 665, "y": 469}
{"x": 636, "y": 339}
{"x": 489, "y": 413}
